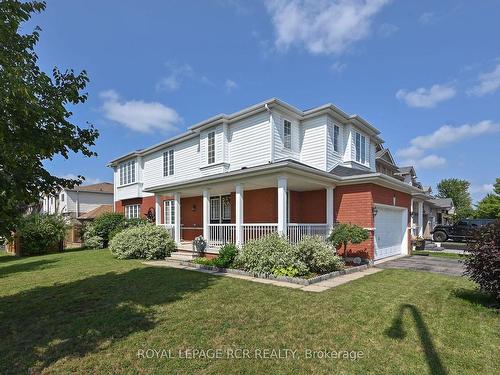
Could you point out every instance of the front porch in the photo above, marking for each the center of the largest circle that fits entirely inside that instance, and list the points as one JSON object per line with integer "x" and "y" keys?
{"x": 240, "y": 211}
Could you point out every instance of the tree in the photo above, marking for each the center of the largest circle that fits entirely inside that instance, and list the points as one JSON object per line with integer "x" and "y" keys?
{"x": 34, "y": 121}
{"x": 458, "y": 191}
{"x": 496, "y": 186}
{"x": 343, "y": 233}
{"x": 488, "y": 207}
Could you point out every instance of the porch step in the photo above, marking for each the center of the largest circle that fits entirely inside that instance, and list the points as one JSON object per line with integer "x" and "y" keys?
{"x": 180, "y": 255}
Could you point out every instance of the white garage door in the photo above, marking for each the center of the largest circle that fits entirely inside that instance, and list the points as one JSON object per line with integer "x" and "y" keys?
{"x": 390, "y": 230}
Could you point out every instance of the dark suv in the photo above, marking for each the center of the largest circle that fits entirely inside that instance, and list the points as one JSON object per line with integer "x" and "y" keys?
{"x": 462, "y": 230}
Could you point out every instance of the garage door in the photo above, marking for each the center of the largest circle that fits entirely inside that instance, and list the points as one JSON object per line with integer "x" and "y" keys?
{"x": 390, "y": 230}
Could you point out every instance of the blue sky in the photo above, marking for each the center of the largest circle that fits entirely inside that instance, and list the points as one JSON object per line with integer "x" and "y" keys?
{"x": 426, "y": 73}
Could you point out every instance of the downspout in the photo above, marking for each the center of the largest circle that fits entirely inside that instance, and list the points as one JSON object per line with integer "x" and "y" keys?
{"x": 271, "y": 123}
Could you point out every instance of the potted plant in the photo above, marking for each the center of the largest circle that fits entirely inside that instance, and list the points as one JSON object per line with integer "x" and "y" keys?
{"x": 199, "y": 246}
{"x": 418, "y": 243}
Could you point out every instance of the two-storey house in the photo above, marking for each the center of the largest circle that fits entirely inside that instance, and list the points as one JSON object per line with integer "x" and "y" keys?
{"x": 268, "y": 168}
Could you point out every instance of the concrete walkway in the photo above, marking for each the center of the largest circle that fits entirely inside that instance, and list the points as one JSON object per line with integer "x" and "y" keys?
{"x": 317, "y": 287}
{"x": 443, "y": 266}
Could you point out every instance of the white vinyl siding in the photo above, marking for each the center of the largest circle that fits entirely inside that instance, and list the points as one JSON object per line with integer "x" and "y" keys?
{"x": 314, "y": 135}
{"x": 132, "y": 211}
{"x": 127, "y": 172}
{"x": 168, "y": 163}
{"x": 169, "y": 212}
{"x": 335, "y": 136}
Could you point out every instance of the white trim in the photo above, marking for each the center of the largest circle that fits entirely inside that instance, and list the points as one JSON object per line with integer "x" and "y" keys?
{"x": 206, "y": 214}
{"x": 177, "y": 213}
{"x": 282, "y": 205}
{"x": 239, "y": 213}
{"x": 404, "y": 226}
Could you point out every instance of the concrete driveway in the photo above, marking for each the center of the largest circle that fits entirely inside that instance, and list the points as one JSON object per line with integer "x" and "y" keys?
{"x": 443, "y": 266}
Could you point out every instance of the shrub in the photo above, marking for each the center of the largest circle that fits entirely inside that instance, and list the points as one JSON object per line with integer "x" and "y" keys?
{"x": 289, "y": 271}
{"x": 226, "y": 256}
{"x": 91, "y": 239}
{"x": 143, "y": 241}
{"x": 268, "y": 253}
{"x": 127, "y": 223}
{"x": 104, "y": 224}
{"x": 204, "y": 261}
{"x": 318, "y": 256}
{"x": 342, "y": 234}
{"x": 40, "y": 233}
{"x": 483, "y": 264}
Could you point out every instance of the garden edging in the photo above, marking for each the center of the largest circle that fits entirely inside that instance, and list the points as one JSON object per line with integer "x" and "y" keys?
{"x": 295, "y": 280}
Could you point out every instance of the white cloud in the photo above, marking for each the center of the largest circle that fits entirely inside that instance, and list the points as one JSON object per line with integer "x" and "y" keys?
{"x": 426, "y": 98}
{"x": 387, "y": 29}
{"x": 177, "y": 75}
{"x": 426, "y": 162}
{"x": 488, "y": 83}
{"x": 138, "y": 115}
{"x": 230, "y": 85}
{"x": 322, "y": 27}
{"x": 427, "y": 18}
{"x": 444, "y": 136}
{"x": 481, "y": 189}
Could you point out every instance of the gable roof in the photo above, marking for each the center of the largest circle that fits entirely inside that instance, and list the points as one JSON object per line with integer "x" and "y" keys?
{"x": 443, "y": 202}
{"x": 102, "y": 187}
{"x": 385, "y": 155}
{"x": 104, "y": 208}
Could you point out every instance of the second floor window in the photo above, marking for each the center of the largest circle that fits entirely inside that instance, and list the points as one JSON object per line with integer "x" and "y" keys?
{"x": 360, "y": 148}
{"x": 127, "y": 172}
{"x": 336, "y": 138}
{"x": 211, "y": 148}
{"x": 287, "y": 134}
{"x": 168, "y": 163}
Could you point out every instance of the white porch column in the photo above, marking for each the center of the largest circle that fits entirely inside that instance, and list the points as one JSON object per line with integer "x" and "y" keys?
{"x": 239, "y": 214}
{"x": 206, "y": 214}
{"x": 329, "y": 207}
{"x": 420, "y": 218}
{"x": 412, "y": 228}
{"x": 177, "y": 219}
{"x": 282, "y": 206}
{"x": 157, "y": 209}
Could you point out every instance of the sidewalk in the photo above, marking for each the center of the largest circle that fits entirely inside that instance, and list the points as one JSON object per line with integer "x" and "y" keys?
{"x": 317, "y": 287}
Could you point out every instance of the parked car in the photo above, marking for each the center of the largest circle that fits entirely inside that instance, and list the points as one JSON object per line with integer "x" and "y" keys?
{"x": 462, "y": 230}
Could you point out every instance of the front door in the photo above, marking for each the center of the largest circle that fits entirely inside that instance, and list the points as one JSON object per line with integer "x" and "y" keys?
{"x": 220, "y": 209}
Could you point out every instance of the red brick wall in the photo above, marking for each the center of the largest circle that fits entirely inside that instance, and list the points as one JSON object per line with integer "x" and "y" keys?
{"x": 260, "y": 206}
{"x": 353, "y": 204}
{"x": 146, "y": 203}
{"x": 308, "y": 206}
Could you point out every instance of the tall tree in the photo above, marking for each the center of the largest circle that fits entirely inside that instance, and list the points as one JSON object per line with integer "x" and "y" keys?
{"x": 496, "y": 186}
{"x": 489, "y": 206}
{"x": 34, "y": 121}
{"x": 458, "y": 191}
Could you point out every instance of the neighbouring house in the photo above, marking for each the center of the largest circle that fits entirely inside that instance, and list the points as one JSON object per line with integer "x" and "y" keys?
{"x": 75, "y": 204}
{"x": 270, "y": 168}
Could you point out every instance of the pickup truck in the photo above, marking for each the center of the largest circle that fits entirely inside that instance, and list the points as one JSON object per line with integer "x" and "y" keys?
{"x": 460, "y": 231}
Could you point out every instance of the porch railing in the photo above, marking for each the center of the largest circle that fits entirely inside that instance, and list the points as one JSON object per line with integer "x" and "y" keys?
{"x": 221, "y": 234}
{"x": 255, "y": 231}
{"x": 297, "y": 231}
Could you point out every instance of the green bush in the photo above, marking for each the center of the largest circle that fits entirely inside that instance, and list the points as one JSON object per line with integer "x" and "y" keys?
{"x": 289, "y": 271}
{"x": 226, "y": 256}
{"x": 266, "y": 254}
{"x": 204, "y": 261}
{"x": 104, "y": 224}
{"x": 90, "y": 238}
{"x": 41, "y": 234}
{"x": 127, "y": 223}
{"x": 343, "y": 233}
{"x": 318, "y": 256}
{"x": 144, "y": 241}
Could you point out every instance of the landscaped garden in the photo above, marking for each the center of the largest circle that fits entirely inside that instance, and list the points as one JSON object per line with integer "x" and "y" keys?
{"x": 87, "y": 312}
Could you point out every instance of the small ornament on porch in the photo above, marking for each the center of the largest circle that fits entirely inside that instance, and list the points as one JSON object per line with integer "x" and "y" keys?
{"x": 199, "y": 245}
{"x": 418, "y": 243}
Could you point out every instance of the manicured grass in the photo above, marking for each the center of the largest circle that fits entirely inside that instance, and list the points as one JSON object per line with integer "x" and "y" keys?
{"x": 84, "y": 312}
{"x": 440, "y": 254}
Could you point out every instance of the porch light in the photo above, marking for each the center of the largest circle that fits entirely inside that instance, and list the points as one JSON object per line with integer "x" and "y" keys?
{"x": 193, "y": 208}
{"x": 374, "y": 211}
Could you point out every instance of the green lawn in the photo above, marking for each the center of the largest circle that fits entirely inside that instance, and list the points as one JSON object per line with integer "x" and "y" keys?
{"x": 84, "y": 312}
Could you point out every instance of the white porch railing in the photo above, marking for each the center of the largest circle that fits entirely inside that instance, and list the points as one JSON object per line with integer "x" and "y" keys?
{"x": 221, "y": 234}
{"x": 297, "y": 231}
{"x": 170, "y": 229}
{"x": 255, "y": 231}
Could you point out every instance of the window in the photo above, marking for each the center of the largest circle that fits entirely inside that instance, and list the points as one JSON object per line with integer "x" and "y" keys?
{"x": 336, "y": 140}
{"x": 127, "y": 172}
{"x": 215, "y": 209}
{"x": 287, "y": 134}
{"x": 211, "y": 148}
{"x": 62, "y": 197}
{"x": 170, "y": 212}
{"x": 360, "y": 148}
{"x": 226, "y": 207}
{"x": 168, "y": 163}
{"x": 132, "y": 211}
